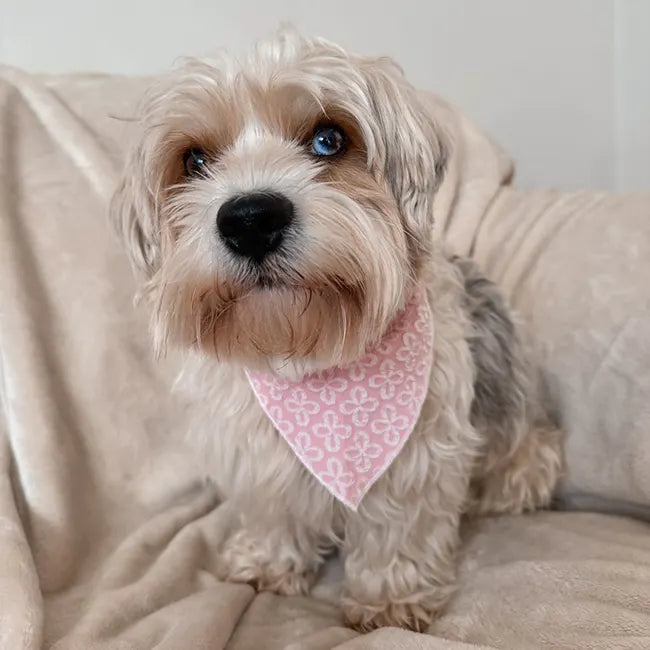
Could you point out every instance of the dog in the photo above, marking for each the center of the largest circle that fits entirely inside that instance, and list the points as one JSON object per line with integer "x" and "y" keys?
{"x": 279, "y": 210}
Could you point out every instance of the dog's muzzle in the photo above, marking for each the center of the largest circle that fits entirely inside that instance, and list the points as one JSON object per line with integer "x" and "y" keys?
{"x": 253, "y": 225}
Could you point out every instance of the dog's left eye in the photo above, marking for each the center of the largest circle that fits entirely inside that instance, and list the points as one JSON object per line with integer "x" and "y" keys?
{"x": 194, "y": 161}
{"x": 328, "y": 140}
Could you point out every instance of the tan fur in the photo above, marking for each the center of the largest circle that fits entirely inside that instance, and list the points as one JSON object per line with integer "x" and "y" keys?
{"x": 365, "y": 237}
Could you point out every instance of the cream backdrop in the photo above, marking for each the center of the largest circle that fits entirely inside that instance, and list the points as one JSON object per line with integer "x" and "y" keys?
{"x": 564, "y": 86}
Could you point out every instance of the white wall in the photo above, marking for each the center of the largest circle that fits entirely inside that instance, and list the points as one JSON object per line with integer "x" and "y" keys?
{"x": 632, "y": 93}
{"x": 563, "y": 85}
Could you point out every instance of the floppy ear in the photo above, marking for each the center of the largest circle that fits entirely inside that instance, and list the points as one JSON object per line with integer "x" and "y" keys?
{"x": 133, "y": 214}
{"x": 415, "y": 149}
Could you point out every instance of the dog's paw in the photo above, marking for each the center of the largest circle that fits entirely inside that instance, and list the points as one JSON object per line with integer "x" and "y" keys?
{"x": 413, "y": 611}
{"x": 246, "y": 561}
{"x": 411, "y": 616}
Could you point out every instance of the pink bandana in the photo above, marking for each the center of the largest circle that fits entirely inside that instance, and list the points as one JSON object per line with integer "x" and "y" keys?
{"x": 347, "y": 425}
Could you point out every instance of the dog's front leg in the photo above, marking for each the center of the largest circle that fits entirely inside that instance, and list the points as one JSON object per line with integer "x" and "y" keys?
{"x": 401, "y": 545}
{"x": 273, "y": 552}
{"x": 399, "y": 576}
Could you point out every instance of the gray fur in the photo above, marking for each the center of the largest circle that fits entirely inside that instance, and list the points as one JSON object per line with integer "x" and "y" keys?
{"x": 500, "y": 382}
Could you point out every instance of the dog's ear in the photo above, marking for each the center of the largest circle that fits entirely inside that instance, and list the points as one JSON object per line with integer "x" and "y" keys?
{"x": 133, "y": 214}
{"x": 415, "y": 149}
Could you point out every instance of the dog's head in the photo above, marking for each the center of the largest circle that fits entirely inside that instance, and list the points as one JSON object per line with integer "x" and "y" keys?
{"x": 281, "y": 207}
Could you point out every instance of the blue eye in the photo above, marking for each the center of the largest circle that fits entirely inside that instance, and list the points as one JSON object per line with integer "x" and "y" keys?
{"x": 194, "y": 161}
{"x": 327, "y": 141}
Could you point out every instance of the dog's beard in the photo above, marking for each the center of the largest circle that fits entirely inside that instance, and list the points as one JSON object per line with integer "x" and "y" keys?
{"x": 317, "y": 308}
{"x": 257, "y": 324}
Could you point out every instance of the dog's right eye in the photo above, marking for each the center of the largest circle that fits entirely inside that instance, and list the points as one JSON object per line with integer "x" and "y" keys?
{"x": 194, "y": 161}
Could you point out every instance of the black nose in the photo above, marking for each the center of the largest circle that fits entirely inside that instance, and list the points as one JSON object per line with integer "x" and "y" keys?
{"x": 253, "y": 224}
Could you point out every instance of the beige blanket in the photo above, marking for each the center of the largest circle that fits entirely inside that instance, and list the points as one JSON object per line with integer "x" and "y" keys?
{"x": 107, "y": 536}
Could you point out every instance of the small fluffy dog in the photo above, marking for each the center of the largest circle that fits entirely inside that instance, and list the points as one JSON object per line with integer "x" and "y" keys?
{"x": 280, "y": 209}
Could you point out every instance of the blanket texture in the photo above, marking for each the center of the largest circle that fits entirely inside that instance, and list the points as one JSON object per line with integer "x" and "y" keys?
{"x": 108, "y": 537}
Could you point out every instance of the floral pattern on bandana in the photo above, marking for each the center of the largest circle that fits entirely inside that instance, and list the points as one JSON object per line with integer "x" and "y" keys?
{"x": 347, "y": 425}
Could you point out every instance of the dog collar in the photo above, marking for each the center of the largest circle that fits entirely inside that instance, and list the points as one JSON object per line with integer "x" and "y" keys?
{"x": 347, "y": 424}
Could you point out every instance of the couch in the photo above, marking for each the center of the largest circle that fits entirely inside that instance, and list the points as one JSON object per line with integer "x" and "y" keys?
{"x": 108, "y": 534}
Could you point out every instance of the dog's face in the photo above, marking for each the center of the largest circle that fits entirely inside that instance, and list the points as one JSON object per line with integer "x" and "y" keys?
{"x": 281, "y": 208}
